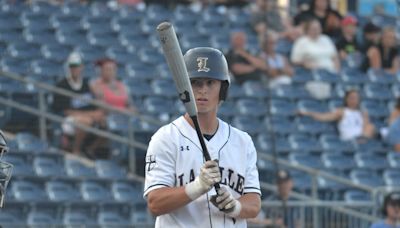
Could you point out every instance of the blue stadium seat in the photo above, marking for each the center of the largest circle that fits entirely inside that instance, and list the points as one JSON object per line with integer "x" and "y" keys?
{"x": 396, "y": 89}
{"x": 94, "y": 191}
{"x": 312, "y": 161}
{"x": 377, "y": 92}
{"x": 140, "y": 71}
{"x": 356, "y": 195}
{"x": 302, "y": 75}
{"x": 158, "y": 105}
{"x": 138, "y": 88}
{"x": 164, "y": 88}
{"x": 251, "y": 107}
{"x": 381, "y": 77}
{"x": 103, "y": 39}
{"x": 255, "y": 89}
{"x": 264, "y": 143}
{"x": 49, "y": 165}
{"x": 312, "y": 105}
{"x": 35, "y": 21}
{"x": 329, "y": 142}
{"x": 111, "y": 219}
{"x": 151, "y": 56}
{"x": 391, "y": 177}
{"x": 29, "y": 143}
{"x": 311, "y": 126}
{"x": 8, "y": 23}
{"x": 109, "y": 169}
{"x": 72, "y": 38}
{"x": 24, "y": 51}
{"x": 302, "y": 182}
{"x": 47, "y": 68}
{"x": 366, "y": 177}
{"x": 91, "y": 53}
{"x": 338, "y": 162}
{"x": 372, "y": 145}
{"x": 370, "y": 161}
{"x": 353, "y": 76}
{"x": 304, "y": 142}
{"x": 56, "y": 52}
{"x": 121, "y": 54}
{"x": 66, "y": 23}
{"x": 280, "y": 125}
{"x": 74, "y": 9}
{"x": 190, "y": 41}
{"x": 77, "y": 218}
{"x": 127, "y": 191}
{"x": 326, "y": 76}
{"x": 227, "y": 109}
{"x": 62, "y": 191}
{"x": 341, "y": 88}
{"x": 27, "y": 191}
{"x": 375, "y": 108}
{"x": 251, "y": 125}
{"x": 21, "y": 162}
{"x": 38, "y": 218}
{"x": 75, "y": 168}
{"x": 235, "y": 92}
{"x": 282, "y": 108}
{"x": 393, "y": 159}
{"x": 10, "y": 220}
{"x": 140, "y": 217}
{"x": 134, "y": 37}
{"x": 17, "y": 66}
{"x": 291, "y": 92}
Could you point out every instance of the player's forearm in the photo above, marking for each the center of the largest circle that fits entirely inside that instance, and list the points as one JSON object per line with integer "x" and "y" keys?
{"x": 251, "y": 205}
{"x": 165, "y": 200}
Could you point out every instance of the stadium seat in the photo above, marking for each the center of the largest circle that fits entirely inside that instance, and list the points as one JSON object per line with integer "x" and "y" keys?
{"x": 312, "y": 105}
{"x": 94, "y": 191}
{"x": 75, "y": 168}
{"x": 326, "y": 76}
{"x": 366, "y": 177}
{"x": 17, "y": 66}
{"x": 40, "y": 37}
{"x": 151, "y": 56}
{"x": 56, "y": 52}
{"x": 312, "y": 161}
{"x": 255, "y": 89}
{"x": 381, "y": 77}
{"x": 302, "y": 75}
{"x": 66, "y": 23}
{"x": 158, "y": 106}
{"x": 340, "y": 162}
{"x": 77, "y": 218}
{"x": 329, "y": 142}
{"x": 308, "y": 125}
{"x": 280, "y": 125}
{"x": 39, "y": 218}
{"x": 49, "y": 165}
{"x": 90, "y": 53}
{"x": 370, "y": 161}
{"x": 227, "y": 109}
{"x": 28, "y": 191}
{"x": 10, "y": 220}
{"x": 140, "y": 71}
{"x": 282, "y": 108}
{"x": 394, "y": 159}
{"x": 377, "y": 92}
{"x": 375, "y": 108}
{"x": 29, "y": 143}
{"x": 265, "y": 144}
{"x": 291, "y": 92}
{"x": 21, "y": 162}
{"x": 24, "y": 51}
{"x": 141, "y": 218}
{"x": 249, "y": 124}
{"x": 109, "y": 169}
{"x": 304, "y": 142}
{"x": 48, "y": 68}
{"x": 391, "y": 177}
{"x": 164, "y": 88}
{"x": 127, "y": 191}
{"x": 353, "y": 76}
{"x": 356, "y": 195}
{"x": 251, "y": 107}
{"x": 111, "y": 219}
{"x": 62, "y": 191}
{"x": 103, "y": 39}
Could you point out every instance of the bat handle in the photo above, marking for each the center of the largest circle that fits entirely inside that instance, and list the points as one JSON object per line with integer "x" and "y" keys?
{"x": 206, "y": 154}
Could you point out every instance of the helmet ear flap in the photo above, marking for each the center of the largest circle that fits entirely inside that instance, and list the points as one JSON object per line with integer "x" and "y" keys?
{"x": 223, "y": 93}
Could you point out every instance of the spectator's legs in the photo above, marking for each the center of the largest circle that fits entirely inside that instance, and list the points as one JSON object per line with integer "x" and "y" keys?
{"x": 369, "y": 130}
{"x": 80, "y": 134}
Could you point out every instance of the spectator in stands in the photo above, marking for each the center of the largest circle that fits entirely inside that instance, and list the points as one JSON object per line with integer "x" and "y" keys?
{"x": 353, "y": 124}
{"x": 315, "y": 50}
{"x": 76, "y": 110}
{"x": 391, "y": 211}
{"x": 328, "y": 18}
{"x": 266, "y": 18}
{"x": 242, "y": 64}
{"x": 371, "y": 36}
{"x": 384, "y": 55}
{"x": 393, "y": 135}
{"x": 278, "y": 68}
{"x": 109, "y": 89}
{"x": 280, "y": 217}
{"x": 347, "y": 43}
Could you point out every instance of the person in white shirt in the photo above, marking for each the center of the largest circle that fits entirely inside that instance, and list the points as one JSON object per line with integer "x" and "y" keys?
{"x": 352, "y": 122}
{"x": 179, "y": 183}
{"x": 315, "y": 50}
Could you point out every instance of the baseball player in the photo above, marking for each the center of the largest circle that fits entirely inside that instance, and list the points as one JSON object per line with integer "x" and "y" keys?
{"x": 179, "y": 183}
{"x": 5, "y": 169}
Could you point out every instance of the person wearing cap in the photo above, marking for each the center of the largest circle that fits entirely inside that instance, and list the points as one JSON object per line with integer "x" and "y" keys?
{"x": 347, "y": 43}
{"x": 371, "y": 36}
{"x": 390, "y": 211}
{"x": 75, "y": 110}
{"x": 108, "y": 88}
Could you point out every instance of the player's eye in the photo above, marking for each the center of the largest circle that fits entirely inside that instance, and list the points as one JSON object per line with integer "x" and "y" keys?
{"x": 211, "y": 82}
{"x": 195, "y": 83}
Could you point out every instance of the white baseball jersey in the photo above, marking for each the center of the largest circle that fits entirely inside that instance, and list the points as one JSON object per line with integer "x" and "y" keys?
{"x": 174, "y": 158}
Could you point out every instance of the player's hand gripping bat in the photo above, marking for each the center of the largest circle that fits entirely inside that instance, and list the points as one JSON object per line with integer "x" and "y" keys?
{"x": 174, "y": 57}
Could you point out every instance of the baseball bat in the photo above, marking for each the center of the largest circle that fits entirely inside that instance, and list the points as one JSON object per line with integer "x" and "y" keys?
{"x": 173, "y": 55}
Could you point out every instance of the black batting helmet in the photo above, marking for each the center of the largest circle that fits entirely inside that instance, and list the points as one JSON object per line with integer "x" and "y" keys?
{"x": 5, "y": 168}
{"x": 206, "y": 62}
{"x": 392, "y": 198}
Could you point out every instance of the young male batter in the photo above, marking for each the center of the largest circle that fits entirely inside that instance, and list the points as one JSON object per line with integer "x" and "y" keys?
{"x": 179, "y": 183}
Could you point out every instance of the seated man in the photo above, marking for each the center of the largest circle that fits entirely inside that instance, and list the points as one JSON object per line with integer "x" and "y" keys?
{"x": 76, "y": 110}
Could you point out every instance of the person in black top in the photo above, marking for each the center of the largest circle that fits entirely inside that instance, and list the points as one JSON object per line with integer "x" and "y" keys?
{"x": 383, "y": 56}
{"x": 76, "y": 110}
{"x": 242, "y": 64}
{"x": 329, "y": 18}
{"x": 347, "y": 43}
